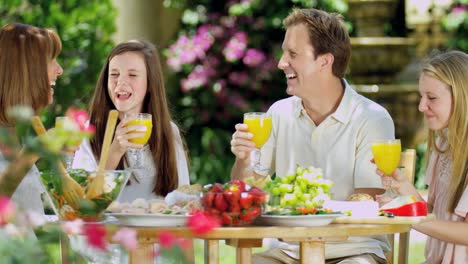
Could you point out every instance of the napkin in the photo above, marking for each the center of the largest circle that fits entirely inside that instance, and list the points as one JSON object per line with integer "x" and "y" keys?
{"x": 356, "y": 208}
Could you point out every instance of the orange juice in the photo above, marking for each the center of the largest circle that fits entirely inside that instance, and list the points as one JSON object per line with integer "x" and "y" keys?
{"x": 387, "y": 155}
{"x": 260, "y": 127}
{"x": 148, "y": 123}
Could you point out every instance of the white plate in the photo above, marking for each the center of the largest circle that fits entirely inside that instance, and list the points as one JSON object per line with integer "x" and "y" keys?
{"x": 298, "y": 220}
{"x": 153, "y": 220}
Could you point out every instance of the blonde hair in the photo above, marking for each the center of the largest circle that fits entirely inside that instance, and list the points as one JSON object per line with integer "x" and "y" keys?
{"x": 451, "y": 68}
{"x": 327, "y": 34}
{"x": 25, "y": 52}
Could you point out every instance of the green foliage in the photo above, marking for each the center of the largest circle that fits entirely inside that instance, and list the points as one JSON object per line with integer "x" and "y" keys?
{"x": 214, "y": 90}
{"x": 85, "y": 28}
{"x": 421, "y": 154}
{"x": 31, "y": 250}
{"x": 456, "y": 22}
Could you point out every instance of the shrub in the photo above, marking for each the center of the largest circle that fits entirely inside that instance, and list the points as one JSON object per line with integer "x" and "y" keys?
{"x": 85, "y": 28}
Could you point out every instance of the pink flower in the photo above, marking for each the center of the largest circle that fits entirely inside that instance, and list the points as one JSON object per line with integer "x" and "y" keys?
{"x": 80, "y": 117}
{"x": 201, "y": 223}
{"x": 235, "y": 48}
{"x": 96, "y": 235}
{"x": 253, "y": 57}
{"x": 238, "y": 78}
{"x": 127, "y": 237}
{"x": 167, "y": 239}
{"x": 459, "y": 9}
{"x": 7, "y": 210}
{"x": 197, "y": 78}
{"x": 73, "y": 227}
{"x": 184, "y": 243}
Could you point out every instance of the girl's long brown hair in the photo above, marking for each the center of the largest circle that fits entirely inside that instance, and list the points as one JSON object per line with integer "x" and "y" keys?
{"x": 25, "y": 52}
{"x": 161, "y": 142}
{"x": 451, "y": 68}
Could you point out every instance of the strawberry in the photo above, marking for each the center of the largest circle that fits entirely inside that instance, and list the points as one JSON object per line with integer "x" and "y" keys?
{"x": 213, "y": 212}
{"x": 235, "y": 208}
{"x": 256, "y": 211}
{"x": 220, "y": 203}
{"x": 226, "y": 219}
{"x": 247, "y": 215}
{"x": 217, "y": 188}
{"x": 232, "y": 193}
{"x": 239, "y": 183}
{"x": 246, "y": 200}
{"x": 208, "y": 199}
{"x": 236, "y": 221}
{"x": 259, "y": 196}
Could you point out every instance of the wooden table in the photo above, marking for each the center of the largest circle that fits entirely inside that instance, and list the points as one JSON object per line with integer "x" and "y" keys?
{"x": 311, "y": 239}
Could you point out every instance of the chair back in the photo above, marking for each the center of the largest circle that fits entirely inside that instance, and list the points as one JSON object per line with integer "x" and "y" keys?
{"x": 408, "y": 163}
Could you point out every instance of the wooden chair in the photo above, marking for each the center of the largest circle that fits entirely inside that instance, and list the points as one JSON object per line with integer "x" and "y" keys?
{"x": 408, "y": 162}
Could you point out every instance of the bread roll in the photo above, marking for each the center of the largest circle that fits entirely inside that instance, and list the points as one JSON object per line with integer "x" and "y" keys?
{"x": 190, "y": 189}
{"x": 360, "y": 197}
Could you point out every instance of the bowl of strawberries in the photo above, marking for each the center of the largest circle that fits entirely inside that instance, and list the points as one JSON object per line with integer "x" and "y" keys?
{"x": 234, "y": 203}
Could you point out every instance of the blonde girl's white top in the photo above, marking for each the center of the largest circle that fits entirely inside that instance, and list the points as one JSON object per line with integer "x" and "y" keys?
{"x": 142, "y": 181}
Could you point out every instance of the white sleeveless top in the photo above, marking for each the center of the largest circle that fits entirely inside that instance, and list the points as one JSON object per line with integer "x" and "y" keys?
{"x": 28, "y": 193}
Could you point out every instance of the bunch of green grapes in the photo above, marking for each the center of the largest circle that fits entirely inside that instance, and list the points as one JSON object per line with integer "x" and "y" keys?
{"x": 306, "y": 188}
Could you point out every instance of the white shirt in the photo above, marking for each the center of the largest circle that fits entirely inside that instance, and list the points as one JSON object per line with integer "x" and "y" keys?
{"x": 27, "y": 195}
{"x": 142, "y": 181}
{"x": 340, "y": 145}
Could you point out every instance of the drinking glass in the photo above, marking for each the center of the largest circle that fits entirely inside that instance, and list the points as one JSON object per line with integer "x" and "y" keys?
{"x": 387, "y": 157}
{"x": 259, "y": 124}
{"x": 139, "y": 119}
{"x": 63, "y": 122}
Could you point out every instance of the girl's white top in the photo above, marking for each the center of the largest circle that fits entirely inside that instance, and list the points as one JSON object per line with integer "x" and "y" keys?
{"x": 142, "y": 181}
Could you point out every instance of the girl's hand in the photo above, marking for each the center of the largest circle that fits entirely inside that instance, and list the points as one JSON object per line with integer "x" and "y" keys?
{"x": 123, "y": 133}
{"x": 400, "y": 184}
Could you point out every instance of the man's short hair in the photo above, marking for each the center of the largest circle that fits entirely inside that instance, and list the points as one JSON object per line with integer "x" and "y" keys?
{"x": 327, "y": 34}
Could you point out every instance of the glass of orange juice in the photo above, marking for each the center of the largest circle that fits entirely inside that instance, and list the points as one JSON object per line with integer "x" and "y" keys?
{"x": 259, "y": 124}
{"x": 139, "y": 119}
{"x": 387, "y": 157}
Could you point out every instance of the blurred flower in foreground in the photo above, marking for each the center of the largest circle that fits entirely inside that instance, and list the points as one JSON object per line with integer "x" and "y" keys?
{"x": 96, "y": 235}
{"x": 127, "y": 237}
{"x": 7, "y": 210}
{"x": 173, "y": 248}
{"x": 80, "y": 118}
{"x": 201, "y": 223}
{"x": 74, "y": 227}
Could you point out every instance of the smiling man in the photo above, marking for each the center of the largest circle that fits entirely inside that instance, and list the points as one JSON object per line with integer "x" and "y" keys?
{"x": 324, "y": 123}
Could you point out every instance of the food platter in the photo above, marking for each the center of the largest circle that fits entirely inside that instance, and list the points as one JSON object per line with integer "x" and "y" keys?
{"x": 298, "y": 220}
{"x": 153, "y": 220}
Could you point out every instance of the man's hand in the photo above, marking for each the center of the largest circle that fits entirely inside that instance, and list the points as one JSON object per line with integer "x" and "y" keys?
{"x": 241, "y": 143}
{"x": 241, "y": 146}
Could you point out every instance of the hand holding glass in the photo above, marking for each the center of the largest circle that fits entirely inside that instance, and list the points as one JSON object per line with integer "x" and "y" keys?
{"x": 141, "y": 119}
{"x": 259, "y": 124}
{"x": 387, "y": 157}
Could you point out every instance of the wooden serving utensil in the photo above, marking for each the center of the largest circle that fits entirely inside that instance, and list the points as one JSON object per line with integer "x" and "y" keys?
{"x": 97, "y": 185}
{"x": 72, "y": 191}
